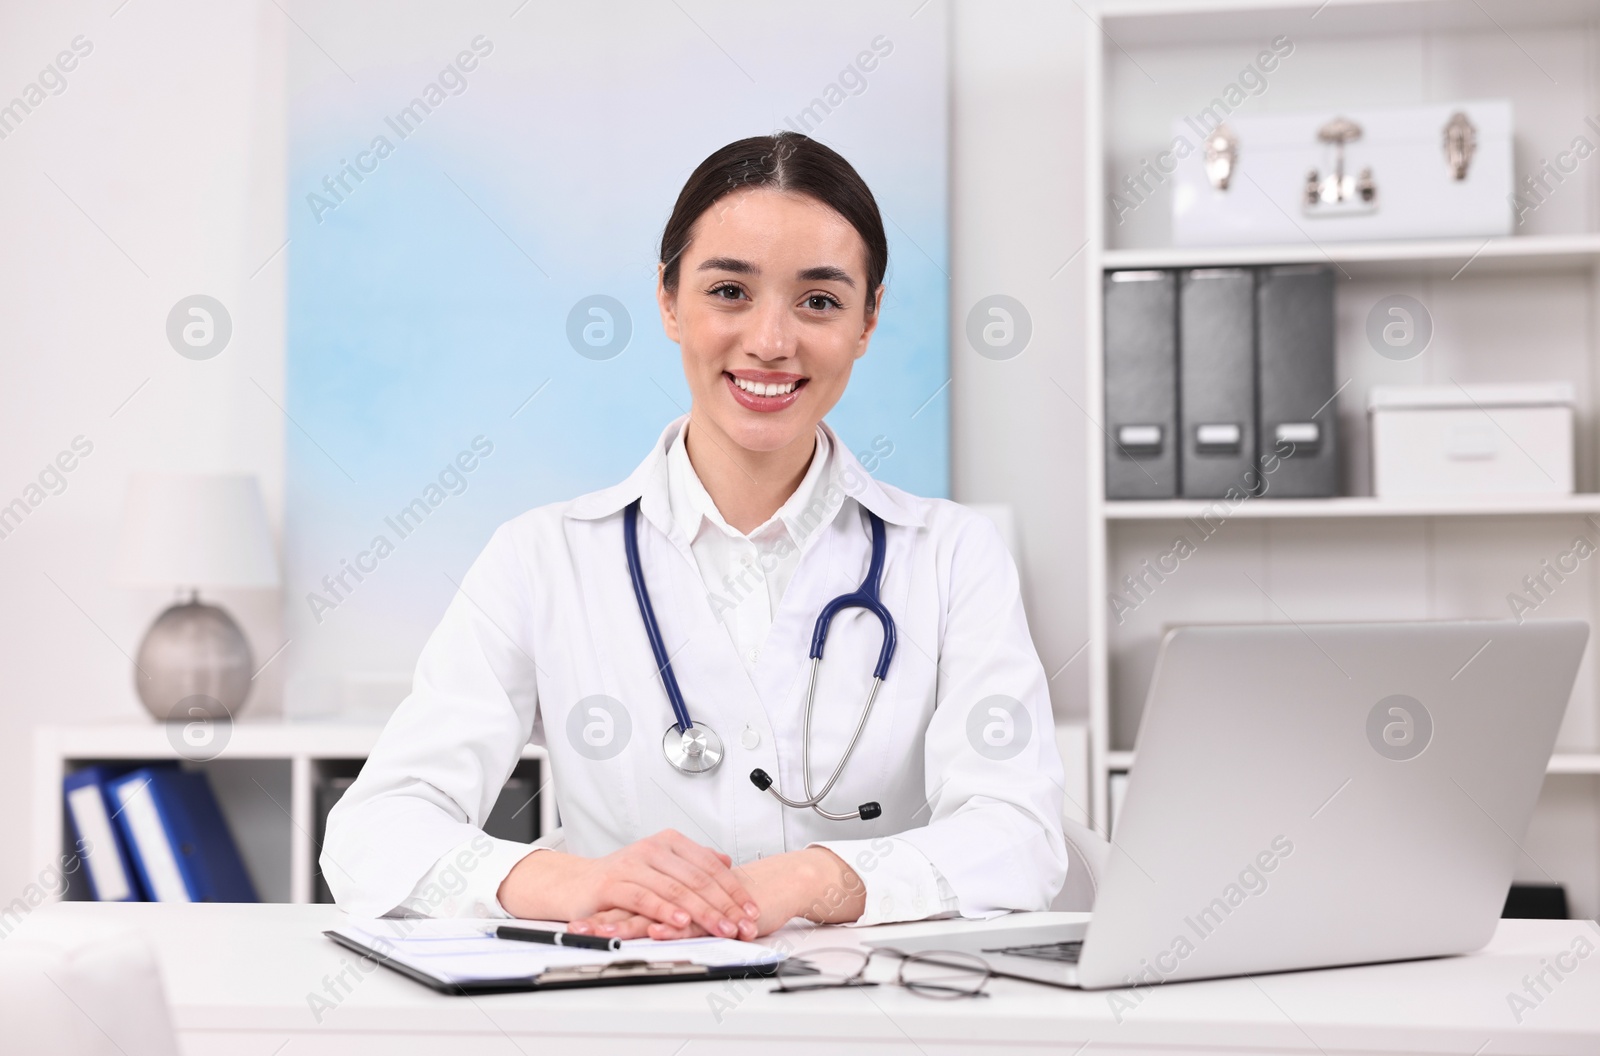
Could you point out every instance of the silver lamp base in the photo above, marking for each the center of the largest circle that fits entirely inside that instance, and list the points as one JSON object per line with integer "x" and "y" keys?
{"x": 194, "y": 663}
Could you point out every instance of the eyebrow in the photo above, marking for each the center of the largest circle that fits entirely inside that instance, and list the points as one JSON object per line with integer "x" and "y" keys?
{"x": 820, "y": 273}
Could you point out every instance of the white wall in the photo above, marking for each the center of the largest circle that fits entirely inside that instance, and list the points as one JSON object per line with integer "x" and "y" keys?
{"x": 167, "y": 146}
{"x": 1017, "y": 228}
{"x": 157, "y": 173}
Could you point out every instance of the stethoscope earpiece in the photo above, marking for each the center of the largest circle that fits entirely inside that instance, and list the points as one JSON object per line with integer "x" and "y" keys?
{"x": 866, "y": 812}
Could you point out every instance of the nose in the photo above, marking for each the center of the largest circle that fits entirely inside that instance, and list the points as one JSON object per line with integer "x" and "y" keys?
{"x": 772, "y": 334}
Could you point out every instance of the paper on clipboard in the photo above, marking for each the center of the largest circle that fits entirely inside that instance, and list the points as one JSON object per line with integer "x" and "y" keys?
{"x": 465, "y": 950}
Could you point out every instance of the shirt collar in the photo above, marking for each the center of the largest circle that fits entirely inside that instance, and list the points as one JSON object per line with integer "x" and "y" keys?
{"x": 692, "y": 506}
{"x": 648, "y": 483}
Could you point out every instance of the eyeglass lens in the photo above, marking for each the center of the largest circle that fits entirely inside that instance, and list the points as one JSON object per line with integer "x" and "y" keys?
{"x": 823, "y": 968}
{"x": 937, "y": 974}
{"x": 944, "y": 974}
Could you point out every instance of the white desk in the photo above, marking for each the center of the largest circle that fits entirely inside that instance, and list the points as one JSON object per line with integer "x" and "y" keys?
{"x": 238, "y": 979}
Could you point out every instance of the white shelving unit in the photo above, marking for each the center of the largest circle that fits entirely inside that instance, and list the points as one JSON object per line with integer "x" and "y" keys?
{"x": 1524, "y": 307}
{"x": 265, "y": 779}
{"x": 1449, "y": 256}
{"x": 1355, "y": 506}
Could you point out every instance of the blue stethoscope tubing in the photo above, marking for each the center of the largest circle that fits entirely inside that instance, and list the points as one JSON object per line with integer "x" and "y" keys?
{"x": 696, "y": 749}
{"x": 691, "y": 749}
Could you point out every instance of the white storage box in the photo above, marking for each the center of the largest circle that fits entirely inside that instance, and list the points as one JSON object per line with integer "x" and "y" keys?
{"x": 1341, "y": 175}
{"x": 1472, "y": 440}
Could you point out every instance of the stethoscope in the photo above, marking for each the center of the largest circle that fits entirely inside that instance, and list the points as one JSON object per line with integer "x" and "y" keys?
{"x": 695, "y": 749}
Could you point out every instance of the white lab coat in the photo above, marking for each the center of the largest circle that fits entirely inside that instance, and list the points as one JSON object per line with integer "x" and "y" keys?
{"x": 959, "y": 750}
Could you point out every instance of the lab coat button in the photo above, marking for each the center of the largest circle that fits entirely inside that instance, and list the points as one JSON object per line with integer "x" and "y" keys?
{"x": 755, "y": 655}
{"x": 750, "y": 738}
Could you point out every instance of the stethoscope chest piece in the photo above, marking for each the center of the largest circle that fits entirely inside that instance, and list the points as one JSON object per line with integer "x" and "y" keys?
{"x": 696, "y": 750}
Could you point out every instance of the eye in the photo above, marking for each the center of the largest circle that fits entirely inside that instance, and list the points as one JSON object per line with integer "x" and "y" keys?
{"x": 826, "y": 298}
{"x": 716, "y": 291}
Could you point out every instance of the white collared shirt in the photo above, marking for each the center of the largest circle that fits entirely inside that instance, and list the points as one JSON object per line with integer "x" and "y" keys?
{"x": 745, "y": 575}
{"x": 545, "y": 634}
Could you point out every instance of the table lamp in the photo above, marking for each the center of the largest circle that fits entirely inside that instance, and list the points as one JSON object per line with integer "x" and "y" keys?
{"x": 188, "y": 531}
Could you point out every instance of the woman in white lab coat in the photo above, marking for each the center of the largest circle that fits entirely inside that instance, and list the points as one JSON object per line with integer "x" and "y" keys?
{"x": 752, "y": 516}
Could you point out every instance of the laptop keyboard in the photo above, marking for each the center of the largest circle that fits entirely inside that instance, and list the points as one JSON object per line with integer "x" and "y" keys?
{"x": 1065, "y": 952}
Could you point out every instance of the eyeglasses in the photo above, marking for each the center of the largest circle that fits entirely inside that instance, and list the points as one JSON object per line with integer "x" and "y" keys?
{"x": 940, "y": 974}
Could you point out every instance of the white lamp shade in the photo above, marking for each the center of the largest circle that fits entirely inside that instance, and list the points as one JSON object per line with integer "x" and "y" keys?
{"x": 195, "y": 530}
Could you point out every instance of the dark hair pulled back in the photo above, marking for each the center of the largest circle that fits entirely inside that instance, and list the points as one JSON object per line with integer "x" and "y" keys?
{"x": 785, "y": 161}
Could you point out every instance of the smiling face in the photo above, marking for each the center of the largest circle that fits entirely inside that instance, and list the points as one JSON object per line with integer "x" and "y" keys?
{"x": 770, "y": 314}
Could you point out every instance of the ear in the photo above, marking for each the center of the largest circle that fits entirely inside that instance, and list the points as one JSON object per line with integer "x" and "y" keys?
{"x": 668, "y": 303}
{"x": 872, "y": 322}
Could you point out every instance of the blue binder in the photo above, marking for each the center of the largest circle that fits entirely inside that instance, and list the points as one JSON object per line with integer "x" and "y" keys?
{"x": 89, "y": 811}
{"x": 177, "y": 838}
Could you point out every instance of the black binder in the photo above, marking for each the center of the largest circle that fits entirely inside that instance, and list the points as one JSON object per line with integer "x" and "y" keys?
{"x": 1141, "y": 363}
{"x": 1295, "y": 381}
{"x": 1216, "y": 382}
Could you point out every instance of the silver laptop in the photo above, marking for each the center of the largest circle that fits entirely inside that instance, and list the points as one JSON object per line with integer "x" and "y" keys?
{"x": 1313, "y": 795}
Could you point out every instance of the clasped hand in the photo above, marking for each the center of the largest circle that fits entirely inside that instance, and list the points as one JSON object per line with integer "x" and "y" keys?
{"x": 666, "y": 886}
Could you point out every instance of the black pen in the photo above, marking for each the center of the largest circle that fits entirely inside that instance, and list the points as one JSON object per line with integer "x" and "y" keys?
{"x": 557, "y": 938}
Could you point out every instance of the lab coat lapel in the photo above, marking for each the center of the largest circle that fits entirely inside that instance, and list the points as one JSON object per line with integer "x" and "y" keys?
{"x": 780, "y": 677}
{"x": 711, "y": 668}
{"x": 703, "y": 660}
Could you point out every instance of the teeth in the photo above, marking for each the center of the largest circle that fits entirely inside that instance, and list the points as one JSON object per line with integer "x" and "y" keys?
{"x": 769, "y": 389}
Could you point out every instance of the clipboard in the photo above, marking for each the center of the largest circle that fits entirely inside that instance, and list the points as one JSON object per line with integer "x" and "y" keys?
{"x": 562, "y": 969}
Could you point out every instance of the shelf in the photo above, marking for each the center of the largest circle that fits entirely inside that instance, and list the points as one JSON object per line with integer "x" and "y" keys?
{"x": 1574, "y": 763}
{"x": 1186, "y": 23}
{"x": 1355, "y": 506}
{"x": 1471, "y": 256}
{"x": 265, "y": 774}
{"x": 1560, "y": 763}
{"x": 264, "y": 739}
